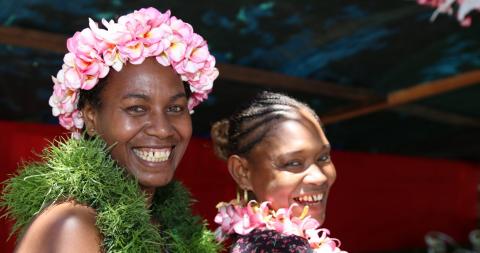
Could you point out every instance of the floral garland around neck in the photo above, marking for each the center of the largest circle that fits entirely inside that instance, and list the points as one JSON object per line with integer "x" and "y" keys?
{"x": 237, "y": 218}
{"x": 82, "y": 170}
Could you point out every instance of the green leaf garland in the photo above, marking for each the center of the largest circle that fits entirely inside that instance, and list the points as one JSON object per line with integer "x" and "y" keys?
{"x": 83, "y": 170}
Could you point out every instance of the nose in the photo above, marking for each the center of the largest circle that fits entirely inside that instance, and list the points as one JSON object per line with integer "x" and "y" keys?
{"x": 315, "y": 175}
{"x": 159, "y": 125}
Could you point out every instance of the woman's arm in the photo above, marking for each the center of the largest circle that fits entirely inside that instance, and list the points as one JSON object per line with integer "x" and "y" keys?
{"x": 67, "y": 227}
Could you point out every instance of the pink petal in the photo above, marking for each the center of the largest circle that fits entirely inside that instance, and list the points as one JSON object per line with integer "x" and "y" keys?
{"x": 176, "y": 51}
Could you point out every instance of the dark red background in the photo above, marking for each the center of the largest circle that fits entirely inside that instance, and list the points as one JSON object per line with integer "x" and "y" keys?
{"x": 379, "y": 202}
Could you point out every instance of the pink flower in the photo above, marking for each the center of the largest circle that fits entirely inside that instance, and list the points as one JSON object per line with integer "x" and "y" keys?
{"x": 134, "y": 51}
{"x": 329, "y": 246}
{"x": 153, "y": 17}
{"x": 83, "y": 65}
{"x": 203, "y": 79}
{"x": 181, "y": 36}
{"x": 134, "y": 37}
{"x": 70, "y": 77}
{"x": 464, "y": 7}
{"x": 158, "y": 40}
{"x": 113, "y": 35}
{"x": 72, "y": 120}
{"x": 85, "y": 45}
{"x": 235, "y": 218}
{"x": 181, "y": 29}
{"x": 177, "y": 49}
{"x": 63, "y": 100}
{"x": 113, "y": 58}
{"x": 195, "y": 57}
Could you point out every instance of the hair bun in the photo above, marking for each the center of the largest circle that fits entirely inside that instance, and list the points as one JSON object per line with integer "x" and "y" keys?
{"x": 220, "y": 138}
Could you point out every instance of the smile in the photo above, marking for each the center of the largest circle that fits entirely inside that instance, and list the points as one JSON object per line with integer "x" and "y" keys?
{"x": 309, "y": 199}
{"x": 152, "y": 154}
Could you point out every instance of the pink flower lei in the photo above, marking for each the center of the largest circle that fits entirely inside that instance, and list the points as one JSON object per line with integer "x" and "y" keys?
{"x": 235, "y": 218}
{"x": 136, "y": 36}
{"x": 464, "y": 7}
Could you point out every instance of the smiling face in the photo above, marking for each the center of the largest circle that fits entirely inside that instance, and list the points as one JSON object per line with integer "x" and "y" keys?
{"x": 292, "y": 165}
{"x": 144, "y": 114}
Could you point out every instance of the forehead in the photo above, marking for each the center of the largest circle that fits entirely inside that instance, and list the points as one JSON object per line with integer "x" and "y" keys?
{"x": 291, "y": 135}
{"x": 292, "y": 130}
{"x": 149, "y": 78}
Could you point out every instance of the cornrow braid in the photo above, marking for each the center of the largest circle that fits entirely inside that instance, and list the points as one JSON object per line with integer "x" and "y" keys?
{"x": 250, "y": 124}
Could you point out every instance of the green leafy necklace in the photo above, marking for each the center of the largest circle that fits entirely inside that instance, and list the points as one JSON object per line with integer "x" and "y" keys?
{"x": 83, "y": 170}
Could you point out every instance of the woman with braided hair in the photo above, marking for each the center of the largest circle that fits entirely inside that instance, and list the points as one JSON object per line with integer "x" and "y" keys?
{"x": 109, "y": 188}
{"x": 279, "y": 156}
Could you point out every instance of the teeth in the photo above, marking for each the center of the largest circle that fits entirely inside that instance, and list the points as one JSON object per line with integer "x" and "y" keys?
{"x": 153, "y": 155}
{"x": 310, "y": 198}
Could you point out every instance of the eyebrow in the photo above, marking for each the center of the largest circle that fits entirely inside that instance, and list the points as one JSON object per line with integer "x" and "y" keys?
{"x": 326, "y": 147}
{"x": 146, "y": 97}
{"x": 135, "y": 95}
{"x": 179, "y": 95}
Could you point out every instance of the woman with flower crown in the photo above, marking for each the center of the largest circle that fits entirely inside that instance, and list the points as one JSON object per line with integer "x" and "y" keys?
{"x": 125, "y": 92}
{"x": 278, "y": 154}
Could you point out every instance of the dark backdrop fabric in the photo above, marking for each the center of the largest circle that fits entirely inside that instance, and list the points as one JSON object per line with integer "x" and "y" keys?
{"x": 379, "y": 202}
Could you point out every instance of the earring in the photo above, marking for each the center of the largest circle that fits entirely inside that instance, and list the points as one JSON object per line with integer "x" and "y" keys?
{"x": 245, "y": 196}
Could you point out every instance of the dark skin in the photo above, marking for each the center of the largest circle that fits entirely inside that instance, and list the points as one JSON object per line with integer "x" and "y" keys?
{"x": 144, "y": 114}
{"x": 144, "y": 110}
{"x": 290, "y": 165}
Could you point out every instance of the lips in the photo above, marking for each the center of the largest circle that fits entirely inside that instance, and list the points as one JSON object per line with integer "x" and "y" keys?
{"x": 155, "y": 155}
{"x": 309, "y": 199}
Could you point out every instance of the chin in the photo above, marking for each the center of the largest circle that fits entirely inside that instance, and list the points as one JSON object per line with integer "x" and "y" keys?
{"x": 157, "y": 181}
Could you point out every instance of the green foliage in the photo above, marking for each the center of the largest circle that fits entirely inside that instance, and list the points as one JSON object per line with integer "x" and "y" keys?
{"x": 83, "y": 170}
{"x": 185, "y": 231}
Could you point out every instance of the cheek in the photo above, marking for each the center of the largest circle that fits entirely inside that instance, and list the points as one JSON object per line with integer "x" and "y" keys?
{"x": 118, "y": 131}
{"x": 114, "y": 126}
{"x": 185, "y": 127}
{"x": 119, "y": 138}
{"x": 278, "y": 189}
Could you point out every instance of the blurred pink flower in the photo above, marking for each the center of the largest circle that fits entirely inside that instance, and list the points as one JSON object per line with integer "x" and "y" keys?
{"x": 463, "y": 8}
{"x": 235, "y": 218}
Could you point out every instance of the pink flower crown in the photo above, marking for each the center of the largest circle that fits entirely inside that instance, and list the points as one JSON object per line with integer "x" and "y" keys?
{"x": 464, "y": 7}
{"x": 136, "y": 36}
{"x": 235, "y": 218}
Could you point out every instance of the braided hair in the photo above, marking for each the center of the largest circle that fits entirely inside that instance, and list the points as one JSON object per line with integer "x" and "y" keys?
{"x": 248, "y": 126}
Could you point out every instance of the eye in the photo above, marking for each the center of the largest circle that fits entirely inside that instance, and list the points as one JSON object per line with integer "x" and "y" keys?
{"x": 136, "y": 109}
{"x": 176, "y": 108}
{"x": 293, "y": 163}
{"x": 324, "y": 158}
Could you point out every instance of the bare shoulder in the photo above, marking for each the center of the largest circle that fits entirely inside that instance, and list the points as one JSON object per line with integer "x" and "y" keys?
{"x": 66, "y": 227}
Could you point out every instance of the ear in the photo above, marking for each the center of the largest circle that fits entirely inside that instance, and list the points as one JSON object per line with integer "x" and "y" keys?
{"x": 237, "y": 166}
{"x": 89, "y": 117}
